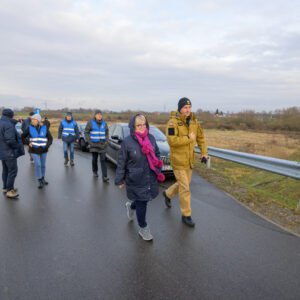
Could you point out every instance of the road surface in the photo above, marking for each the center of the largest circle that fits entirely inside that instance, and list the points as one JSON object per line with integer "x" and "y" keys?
{"x": 72, "y": 240}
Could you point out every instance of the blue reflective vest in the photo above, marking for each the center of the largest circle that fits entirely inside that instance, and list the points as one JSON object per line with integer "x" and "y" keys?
{"x": 97, "y": 133}
{"x": 38, "y": 139}
{"x": 68, "y": 128}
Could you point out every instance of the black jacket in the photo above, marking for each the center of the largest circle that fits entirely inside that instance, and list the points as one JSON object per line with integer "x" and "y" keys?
{"x": 10, "y": 143}
{"x": 40, "y": 150}
{"x": 133, "y": 168}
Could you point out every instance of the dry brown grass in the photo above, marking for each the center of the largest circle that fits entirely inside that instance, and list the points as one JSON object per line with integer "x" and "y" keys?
{"x": 270, "y": 144}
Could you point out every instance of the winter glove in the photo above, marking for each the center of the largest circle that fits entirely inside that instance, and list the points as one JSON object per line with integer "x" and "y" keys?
{"x": 204, "y": 160}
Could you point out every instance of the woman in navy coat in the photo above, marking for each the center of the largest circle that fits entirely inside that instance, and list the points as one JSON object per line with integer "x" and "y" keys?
{"x": 139, "y": 171}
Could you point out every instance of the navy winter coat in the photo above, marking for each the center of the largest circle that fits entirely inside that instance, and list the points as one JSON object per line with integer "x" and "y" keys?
{"x": 133, "y": 168}
{"x": 10, "y": 143}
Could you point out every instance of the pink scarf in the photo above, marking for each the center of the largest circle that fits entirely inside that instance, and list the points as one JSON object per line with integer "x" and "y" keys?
{"x": 147, "y": 149}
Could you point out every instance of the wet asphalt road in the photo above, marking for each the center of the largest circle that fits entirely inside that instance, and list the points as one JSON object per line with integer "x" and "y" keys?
{"x": 72, "y": 240}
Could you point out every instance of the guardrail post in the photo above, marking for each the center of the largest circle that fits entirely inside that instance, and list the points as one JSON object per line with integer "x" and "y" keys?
{"x": 208, "y": 164}
{"x": 298, "y": 207}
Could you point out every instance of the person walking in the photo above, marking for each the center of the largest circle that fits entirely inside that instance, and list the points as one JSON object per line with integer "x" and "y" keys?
{"x": 10, "y": 149}
{"x": 39, "y": 139}
{"x": 24, "y": 126}
{"x": 138, "y": 167}
{"x": 68, "y": 131}
{"x": 96, "y": 133}
{"x": 183, "y": 133}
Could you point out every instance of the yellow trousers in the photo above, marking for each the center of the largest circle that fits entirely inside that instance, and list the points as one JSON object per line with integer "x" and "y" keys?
{"x": 182, "y": 186}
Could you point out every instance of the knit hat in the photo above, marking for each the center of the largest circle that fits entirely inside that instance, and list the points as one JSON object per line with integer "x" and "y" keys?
{"x": 98, "y": 111}
{"x": 69, "y": 113}
{"x": 37, "y": 117}
{"x": 7, "y": 112}
{"x": 182, "y": 102}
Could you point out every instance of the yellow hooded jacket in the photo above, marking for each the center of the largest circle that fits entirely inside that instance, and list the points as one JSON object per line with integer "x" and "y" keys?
{"x": 181, "y": 146}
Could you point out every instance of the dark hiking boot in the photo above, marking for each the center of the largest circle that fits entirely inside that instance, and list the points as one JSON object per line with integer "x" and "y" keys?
{"x": 105, "y": 179}
{"x": 40, "y": 184}
{"x": 12, "y": 194}
{"x": 167, "y": 200}
{"x": 66, "y": 161}
{"x": 188, "y": 221}
{"x": 44, "y": 181}
{"x": 72, "y": 162}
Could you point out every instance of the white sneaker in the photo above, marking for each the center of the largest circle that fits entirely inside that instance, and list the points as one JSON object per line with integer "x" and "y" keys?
{"x": 130, "y": 211}
{"x": 146, "y": 234}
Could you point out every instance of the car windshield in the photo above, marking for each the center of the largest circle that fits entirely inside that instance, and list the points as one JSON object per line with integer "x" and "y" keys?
{"x": 159, "y": 136}
{"x": 82, "y": 127}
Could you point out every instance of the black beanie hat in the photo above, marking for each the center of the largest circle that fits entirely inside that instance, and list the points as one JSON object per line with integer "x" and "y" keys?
{"x": 98, "y": 111}
{"x": 182, "y": 102}
{"x": 69, "y": 113}
{"x": 7, "y": 112}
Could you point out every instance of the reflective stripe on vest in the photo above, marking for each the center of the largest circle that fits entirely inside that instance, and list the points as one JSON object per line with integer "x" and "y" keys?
{"x": 97, "y": 133}
{"x": 38, "y": 139}
{"x": 68, "y": 128}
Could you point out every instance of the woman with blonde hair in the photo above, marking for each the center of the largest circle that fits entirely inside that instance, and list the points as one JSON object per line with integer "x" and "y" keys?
{"x": 139, "y": 169}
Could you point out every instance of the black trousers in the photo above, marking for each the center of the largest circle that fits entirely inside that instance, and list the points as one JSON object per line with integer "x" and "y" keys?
{"x": 141, "y": 208}
{"x": 9, "y": 173}
{"x": 102, "y": 162}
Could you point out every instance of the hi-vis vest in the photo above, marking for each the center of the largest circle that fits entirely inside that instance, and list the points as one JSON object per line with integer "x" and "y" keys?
{"x": 68, "y": 128}
{"x": 38, "y": 139}
{"x": 97, "y": 133}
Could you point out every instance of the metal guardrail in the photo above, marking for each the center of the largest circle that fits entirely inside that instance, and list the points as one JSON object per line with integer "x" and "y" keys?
{"x": 271, "y": 164}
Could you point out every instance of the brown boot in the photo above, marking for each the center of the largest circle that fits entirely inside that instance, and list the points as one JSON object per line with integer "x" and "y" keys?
{"x": 12, "y": 194}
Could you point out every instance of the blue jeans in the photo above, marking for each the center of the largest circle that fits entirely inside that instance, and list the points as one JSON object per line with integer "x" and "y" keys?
{"x": 9, "y": 173}
{"x": 69, "y": 146}
{"x": 39, "y": 164}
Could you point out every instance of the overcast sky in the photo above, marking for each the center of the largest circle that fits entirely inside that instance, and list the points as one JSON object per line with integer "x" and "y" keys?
{"x": 134, "y": 54}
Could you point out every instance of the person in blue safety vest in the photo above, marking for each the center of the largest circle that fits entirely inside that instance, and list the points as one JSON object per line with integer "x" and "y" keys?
{"x": 69, "y": 133}
{"x": 39, "y": 139}
{"x": 96, "y": 133}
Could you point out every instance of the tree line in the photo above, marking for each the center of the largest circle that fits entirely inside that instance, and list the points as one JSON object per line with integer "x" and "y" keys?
{"x": 279, "y": 120}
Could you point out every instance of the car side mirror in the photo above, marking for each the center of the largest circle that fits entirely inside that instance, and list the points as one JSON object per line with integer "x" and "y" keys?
{"x": 116, "y": 138}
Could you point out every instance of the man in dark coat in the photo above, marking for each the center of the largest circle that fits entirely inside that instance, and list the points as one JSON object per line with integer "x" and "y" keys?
{"x": 24, "y": 127}
{"x": 96, "y": 133}
{"x": 133, "y": 170}
{"x": 10, "y": 149}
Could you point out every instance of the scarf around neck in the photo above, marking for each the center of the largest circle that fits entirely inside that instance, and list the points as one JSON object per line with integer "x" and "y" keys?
{"x": 155, "y": 164}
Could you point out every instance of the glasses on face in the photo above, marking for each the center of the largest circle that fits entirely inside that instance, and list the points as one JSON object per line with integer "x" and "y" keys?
{"x": 140, "y": 126}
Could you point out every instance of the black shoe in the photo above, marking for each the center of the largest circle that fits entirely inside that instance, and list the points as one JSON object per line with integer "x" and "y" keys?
{"x": 44, "y": 181}
{"x": 40, "y": 185}
{"x": 167, "y": 200}
{"x": 72, "y": 162}
{"x": 105, "y": 179}
{"x": 188, "y": 221}
{"x": 95, "y": 174}
{"x": 66, "y": 161}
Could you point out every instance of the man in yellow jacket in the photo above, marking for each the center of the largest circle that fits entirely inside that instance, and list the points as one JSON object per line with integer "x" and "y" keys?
{"x": 184, "y": 132}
